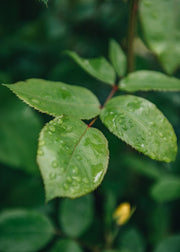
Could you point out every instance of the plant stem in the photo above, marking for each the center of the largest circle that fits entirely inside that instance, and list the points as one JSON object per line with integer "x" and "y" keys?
{"x": 133, "y": 6}
{"x": 113, "y": 91}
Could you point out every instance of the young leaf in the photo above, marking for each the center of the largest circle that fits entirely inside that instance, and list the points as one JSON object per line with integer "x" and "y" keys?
{"x": 166, "y": 189}
{"x": 73, "y": 157}
{"x": 140, "y": 124}
{"x": 118, "y": 58}
{"x": 160, "y": 22}
{"x": 19, "y": 130}
{"x": 171, "y": 244}
{"x": 24, "y": 231}
{"x": 149, "y": 80}
{"x": 75, "y": 223}
{"x": 97, "y": 67}
{"x": 56, "y": 98}
{"x": 66, "y": 245}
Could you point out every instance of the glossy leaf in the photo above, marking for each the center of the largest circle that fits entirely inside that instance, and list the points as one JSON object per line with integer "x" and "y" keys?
{"x": 19, "y": 130}
{"x": 166, "y": 189}
{"x": 75, "y": 222}
{"x": 149, "y": 80}
{"x": 97, "y": 67}
{"x": 73, "y": 157}
{"x": 56, "y": 98}
{"x": 118, "y": 58}
{"x": 24, "y": 231}
{"x": 140, "y": 124}
{"x": 170, "y": 244}
{"x": 65, "y": 245}
{"x": 160, "y": 21}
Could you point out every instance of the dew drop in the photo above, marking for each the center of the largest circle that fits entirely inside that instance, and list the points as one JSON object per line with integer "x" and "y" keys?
{"x": 78, "y": 157}
{"x": 85, "y": 180}
{"x": 75, "y": 170}
{"x": 69, "y": 179}
{"x": 40, "y": 152}
{"x": 41, "y": 143}
{"x": 54, "y": 164}
{"x": 35, "y": 101}
{"x": 78, "y": 179}
{"x": 65, "y": 186}
{"x": 52, "y": 128}
{"x": 52, "y": 175}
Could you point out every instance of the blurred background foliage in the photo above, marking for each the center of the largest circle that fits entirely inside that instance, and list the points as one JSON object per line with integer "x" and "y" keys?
{"x": 33, "y": 39}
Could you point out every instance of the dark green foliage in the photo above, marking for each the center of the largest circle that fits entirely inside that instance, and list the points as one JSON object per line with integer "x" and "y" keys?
{"x": 34, "y": 35}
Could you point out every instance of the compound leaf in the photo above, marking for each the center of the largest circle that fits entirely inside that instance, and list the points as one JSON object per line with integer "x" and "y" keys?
{"x": 140, "y": 124}
{"x": 57, "y": 98}
{"x": 145, "y": 80}
{"x": 73, "y": 157}
{"x": 24, "y": 231}
{"x": 160, "y": 21}
{"x": 97, "y": 67}
{"x": 118, "y": 58}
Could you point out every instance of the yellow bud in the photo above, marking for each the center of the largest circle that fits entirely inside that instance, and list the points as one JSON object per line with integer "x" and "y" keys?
{"x": 123, "y": 213}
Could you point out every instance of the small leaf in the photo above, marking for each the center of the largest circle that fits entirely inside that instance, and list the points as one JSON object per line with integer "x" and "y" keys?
{"x": 118, "y": 58}
{"x": 97, "y": 67}
{"x": 160, "y": 23}
{"x": 75, "y": 222}
{"x": 66, "y": 245}
{"x": 166, "y": 189}
{"x": 73, "y": 157}
{"x": 57, "y": 98}
{"x": 19, "y": 130}
{"x": 171, "y": 244}
{"x": 140, "y": 124}
{"x": 24, "y": 231}
{"x": 149, "y": 80}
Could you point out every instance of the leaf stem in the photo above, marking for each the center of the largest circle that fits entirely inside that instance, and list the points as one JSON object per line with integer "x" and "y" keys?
{"x": 133, "y": 7}
{"x": 113, "y": 91}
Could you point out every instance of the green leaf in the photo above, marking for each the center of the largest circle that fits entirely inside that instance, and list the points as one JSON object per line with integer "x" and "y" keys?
{"x": 131, "y": 240}
{"x": 24, "y": 231}
{"x": 171, "y": 244}
{"x": 160, "y": 22}
{"x": 140, "y": 124}
{"x": 65, "y": 245}
{"x": 19, "y": 130}
{"x": 97, "y": 67}
{"x": 166, "y": 189}
{"x": 73, "y": 157}
{"x": 76, "y": 215}
{"x": 149, "y": 80}
{"x": 118, "y": 58}
{"x": 56, "y": 98}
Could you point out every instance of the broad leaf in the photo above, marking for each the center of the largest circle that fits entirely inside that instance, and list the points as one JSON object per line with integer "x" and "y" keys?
{"x": 75, "y": 223}
{"x": 19, "y": 130}
{"x": 171, "y": 244}
{"x": 131, "y": 240}
{"x": 97, "y": 67}
{"x": 166, "y": 189}
{"x": 66, "y": 245}
{"x": 73, "y": 157}
{"x": 139, "y": 123}
{"x": 149, "y": 80}
{"x": 24, "y": 231}
{"x": 56, "y": 98}
{"x": 118, "y": 58}
{"x": 160, "y": 21}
